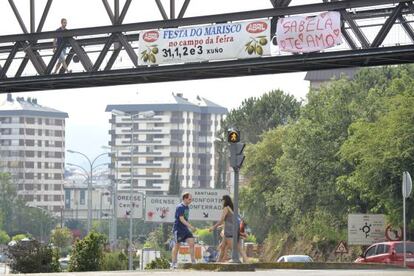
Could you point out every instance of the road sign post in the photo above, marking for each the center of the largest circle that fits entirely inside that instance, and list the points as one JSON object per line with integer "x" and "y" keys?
{"x": 236, "y": 161}
{"x": 406, "y": 191}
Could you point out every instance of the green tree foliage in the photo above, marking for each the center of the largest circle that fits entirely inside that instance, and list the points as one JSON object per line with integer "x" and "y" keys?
{"x": 345, "y": 153}
{"x": 19, "y": 237}
{"x": 61, "y": 237}
{"x": 158, "y": 263}
{"x": 257, "y": 115}
{"x": 7, "y": 199}
{"x": 4, "y": 237}
{"x": 33, "y": 257}
{"x": 205, "y": 236}
{"x": 175, "y": 183}
{"x": 87, "y": 254}
{"x": 114, "y": 261}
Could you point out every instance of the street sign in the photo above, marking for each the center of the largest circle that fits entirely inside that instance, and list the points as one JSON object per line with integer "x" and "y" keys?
{"x": 161, "y": 208}
{"x": 365, "y": 229}
{"x": 233, "y": 135}
{"x": 341, "y": 248}
{"x": 407, "y": 184}
{"x": 206, "y": 204}
{"x": 124, "y": 209}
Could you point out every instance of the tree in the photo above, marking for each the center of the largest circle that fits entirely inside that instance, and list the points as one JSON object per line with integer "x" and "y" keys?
{"x": 175, "y": 183}
{"x": 32, "y": 257}
{"x": 8, "y": 196}
{"x": 61, "y": 237}
{"x": 87, "y": 254}
{"x": 257, "y": 115}
{"x": 4, "y": 237}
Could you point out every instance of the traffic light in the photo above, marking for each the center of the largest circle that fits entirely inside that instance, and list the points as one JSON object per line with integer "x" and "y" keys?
{"x": 236, "y": 155}
{"x": 233, "y": 135}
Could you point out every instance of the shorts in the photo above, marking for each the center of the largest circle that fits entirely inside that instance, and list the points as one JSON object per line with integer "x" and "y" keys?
{"x": 62, "y": 55}
{"x": 182, "y": 236}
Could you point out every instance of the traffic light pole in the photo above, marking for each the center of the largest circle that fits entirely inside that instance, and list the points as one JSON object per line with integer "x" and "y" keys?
{"x": 236, "y": 161}
{"x": 235, "y": 258}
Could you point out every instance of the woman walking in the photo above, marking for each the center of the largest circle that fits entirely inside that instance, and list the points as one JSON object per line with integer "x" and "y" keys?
{"x": 227, "y": 218}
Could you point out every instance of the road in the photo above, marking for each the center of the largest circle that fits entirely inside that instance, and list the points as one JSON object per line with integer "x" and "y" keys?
{"x": 278, "y": 272}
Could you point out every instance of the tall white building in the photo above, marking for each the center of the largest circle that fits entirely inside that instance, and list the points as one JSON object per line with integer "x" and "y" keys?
{"x": 173, "y": 134}
{"x": 32, "y": 149}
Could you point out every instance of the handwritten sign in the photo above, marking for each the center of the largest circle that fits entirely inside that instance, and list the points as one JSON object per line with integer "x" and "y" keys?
{"x": 161, "y": 208}
{"x": 298, "y": 34}
{"x": 205, "y": 43}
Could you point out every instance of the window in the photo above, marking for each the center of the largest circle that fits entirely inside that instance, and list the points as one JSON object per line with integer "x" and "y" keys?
{"x": 39, "y": 143}
{"x": 30, "y": 121}
{"x": 30, "y": 143}
{"x": 56, "y": 198}
{"x": 58, "y": 133}
{"x": 58, "y": 122}
{"x": 370, "y": 252}
{"x": 58, "y": 176}
{"x": 29, "y": 153}
{"x": 39, "y": 121}
{"x": 30, "y": 131}
{"x": 29, "y": 165}
{"x": 39, "y": 132}
{"x": 399, "y": 247}
{"x": 39, "y": 165}
{"x": 57, "y": 187}
{"x": 82, "y": 198}
{"x": 380, "y": 249}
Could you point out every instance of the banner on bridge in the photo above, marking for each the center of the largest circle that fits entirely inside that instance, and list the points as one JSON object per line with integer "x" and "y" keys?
{"x": 248, "y": 39}
{"x": 299, "y": 34}
{"x": 207, "y": 204}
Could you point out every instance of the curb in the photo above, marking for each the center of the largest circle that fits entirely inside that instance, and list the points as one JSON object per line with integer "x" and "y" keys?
{"x": 268, "y": 266}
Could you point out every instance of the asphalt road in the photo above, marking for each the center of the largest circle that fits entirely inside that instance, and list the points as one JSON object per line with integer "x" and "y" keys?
{"x": 278, "y": 272}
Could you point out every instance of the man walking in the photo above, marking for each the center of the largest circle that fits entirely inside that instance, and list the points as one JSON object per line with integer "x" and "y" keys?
{"x": 57, "y": 42}
{"x": 181, "y": 229}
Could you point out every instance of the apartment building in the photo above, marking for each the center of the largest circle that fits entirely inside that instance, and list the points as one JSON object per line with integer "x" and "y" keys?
{"x": 32, "y": 149}
{"x": 169, "y": 135}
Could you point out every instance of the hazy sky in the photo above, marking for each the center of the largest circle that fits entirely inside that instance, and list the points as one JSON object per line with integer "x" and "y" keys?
{"x": 87, "y": 126}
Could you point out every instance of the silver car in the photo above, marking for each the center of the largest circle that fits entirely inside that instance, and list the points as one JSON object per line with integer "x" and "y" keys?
{"x": 295, "y": 259}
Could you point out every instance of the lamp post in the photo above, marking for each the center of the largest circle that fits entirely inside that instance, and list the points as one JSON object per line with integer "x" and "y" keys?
{"x": 145, "y": 114}
{"x": 90, "y": 176}
{"x": 114, "y": 234}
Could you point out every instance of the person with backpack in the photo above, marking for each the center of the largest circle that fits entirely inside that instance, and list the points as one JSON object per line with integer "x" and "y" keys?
{"x": 227, "y": 218}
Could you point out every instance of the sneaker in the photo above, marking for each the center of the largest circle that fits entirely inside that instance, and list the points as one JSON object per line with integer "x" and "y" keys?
{"x": 173, "y": 266}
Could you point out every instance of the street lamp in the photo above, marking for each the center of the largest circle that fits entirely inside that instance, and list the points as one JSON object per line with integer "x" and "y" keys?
{"x": 113, "y": 235}
{"x": 145, "y": 114}
{"x": 90, "y": 175}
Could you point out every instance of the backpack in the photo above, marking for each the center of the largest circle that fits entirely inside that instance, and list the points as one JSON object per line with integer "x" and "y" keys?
{"x": 242, "y": 228}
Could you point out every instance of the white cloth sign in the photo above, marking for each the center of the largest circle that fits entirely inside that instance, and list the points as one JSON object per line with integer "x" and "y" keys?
{"x": 205, "y": 43}
{"x": 298, "y": 34}
{"x": 161, "y": 208}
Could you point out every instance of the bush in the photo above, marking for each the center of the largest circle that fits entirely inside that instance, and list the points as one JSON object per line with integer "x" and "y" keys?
{"x": 4, "y": 238}
{"x": 114, "y": 261}
{"x": 158, "y": 263}
{"x": 33, "y": 257}
{"x": 19, "y": 237}
{"x": 87, "y": 254}
{"x": 251, "y": 238}
{"x": 205, "y": 235}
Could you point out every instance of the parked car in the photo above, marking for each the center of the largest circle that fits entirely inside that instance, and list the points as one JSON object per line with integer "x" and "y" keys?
{"x": 295, "y": 259}
{"x": 389, "y": 253}
{"x": 64, "y": 263}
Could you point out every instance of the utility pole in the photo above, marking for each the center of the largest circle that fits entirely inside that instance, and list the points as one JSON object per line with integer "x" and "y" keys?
{"x": 236, "y": 161}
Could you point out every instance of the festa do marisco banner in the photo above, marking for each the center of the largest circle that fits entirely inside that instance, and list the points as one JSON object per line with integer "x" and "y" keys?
{"x": 204, "y": 43}
{"x": 299, "y": 34}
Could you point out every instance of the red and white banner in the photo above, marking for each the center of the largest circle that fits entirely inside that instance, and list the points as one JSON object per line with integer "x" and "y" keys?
{"x": 205, "y": 43}
{"x": 298, "y": 34}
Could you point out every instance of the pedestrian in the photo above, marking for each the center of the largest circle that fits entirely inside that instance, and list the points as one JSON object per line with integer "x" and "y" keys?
{"x": 226, "y": 218}
{"x": 181, "y": 229}
{"x": 57, "y": 42}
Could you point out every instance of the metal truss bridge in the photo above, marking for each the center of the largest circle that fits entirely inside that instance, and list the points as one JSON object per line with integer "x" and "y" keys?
{"x": 377, "y": 32}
